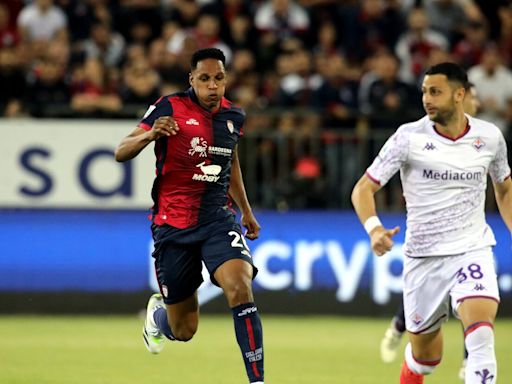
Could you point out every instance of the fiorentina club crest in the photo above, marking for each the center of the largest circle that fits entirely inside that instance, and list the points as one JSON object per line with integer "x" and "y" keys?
{"x": 478, "y": 144}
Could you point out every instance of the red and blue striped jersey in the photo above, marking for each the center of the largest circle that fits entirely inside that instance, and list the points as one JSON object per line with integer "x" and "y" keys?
{"x": 193, "y": 168}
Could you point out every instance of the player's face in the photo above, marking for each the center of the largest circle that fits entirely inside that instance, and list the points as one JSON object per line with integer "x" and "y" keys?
{"x": 471, "y": 102}
{"x": 440, "y": 98}
{"x": 209, "y": 82}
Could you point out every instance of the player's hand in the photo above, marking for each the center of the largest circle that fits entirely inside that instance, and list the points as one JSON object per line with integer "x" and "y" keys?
{"x": 252, "y": 226}
{"x": 381, "y": 239}
{"x": 163, "y": 126}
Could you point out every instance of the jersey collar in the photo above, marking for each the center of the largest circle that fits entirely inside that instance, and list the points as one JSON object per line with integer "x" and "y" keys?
{"x": 464, "y": 133}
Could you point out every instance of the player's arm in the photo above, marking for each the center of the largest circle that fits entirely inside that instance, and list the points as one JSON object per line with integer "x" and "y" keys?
{"x": 363, "y": 200}
{"x": 139, "y": 138}
{"x": 503, "y": 193}
{"x": 237, "y": 192}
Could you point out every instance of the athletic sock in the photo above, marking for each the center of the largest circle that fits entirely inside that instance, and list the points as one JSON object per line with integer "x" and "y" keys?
{"x": 249, "y": 335}
{"x": 160, "y": 317}
{"x": 481, "y": 364}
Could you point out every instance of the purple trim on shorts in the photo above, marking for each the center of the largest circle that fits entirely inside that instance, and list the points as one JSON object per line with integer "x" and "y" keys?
{"x": 372, "y": 178}
{"x": 475, "y": 326}
{"x": 478, "y": 297}
{"x": 430, "y": 326}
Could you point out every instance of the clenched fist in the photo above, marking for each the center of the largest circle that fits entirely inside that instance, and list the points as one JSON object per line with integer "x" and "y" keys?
{"x": 163, "y": 126}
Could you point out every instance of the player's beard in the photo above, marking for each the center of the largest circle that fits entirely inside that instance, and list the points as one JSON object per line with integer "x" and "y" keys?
{"x": 444, "y": 115}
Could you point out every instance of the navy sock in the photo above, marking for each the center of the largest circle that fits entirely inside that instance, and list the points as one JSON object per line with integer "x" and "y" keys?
{"x": 249, "y": 335}
{"x": 399, "y": 319}
{"x": 160, "y": 316}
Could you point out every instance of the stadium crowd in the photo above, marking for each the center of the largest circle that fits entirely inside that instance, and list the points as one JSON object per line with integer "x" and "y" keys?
{"x": 301, "y": 66}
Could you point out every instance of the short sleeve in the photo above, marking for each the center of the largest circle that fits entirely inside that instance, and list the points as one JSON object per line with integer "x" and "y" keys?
{"x": 499, "y": 168}
{"x": 390, "y": 158}
{"x": 162, "y": 107}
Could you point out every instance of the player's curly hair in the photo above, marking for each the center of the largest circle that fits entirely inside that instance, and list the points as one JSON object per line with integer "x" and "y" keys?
{"x": 453, "y": 72}
{"x": 207, "y": 53}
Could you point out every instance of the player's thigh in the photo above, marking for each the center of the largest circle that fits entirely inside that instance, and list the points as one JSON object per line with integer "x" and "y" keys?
{"x": 178, "y": 268}
{"x": 226, "y": 242}
{"x": 426, "y": 294}
{"x": 475, "y": 294}
{"x": 474, "y": 310}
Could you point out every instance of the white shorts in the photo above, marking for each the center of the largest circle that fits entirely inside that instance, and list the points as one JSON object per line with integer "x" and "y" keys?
{"x": 430, "y": 282}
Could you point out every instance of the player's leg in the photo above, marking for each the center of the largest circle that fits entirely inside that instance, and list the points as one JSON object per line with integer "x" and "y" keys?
{"x": 475, "y": 298}
{"x": 477, "y": 316}
{"x": 227, "y": 257}
{"x": 422, "y": 355}
{"x": 174, "y": 313}
{"x": 426, "y": 307}
{"x": 235, "y": 279}
{"x": 391, "y": 341}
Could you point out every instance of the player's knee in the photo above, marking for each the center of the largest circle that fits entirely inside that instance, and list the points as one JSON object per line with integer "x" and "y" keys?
{"x": 184, "y": 331}
{"x": 239, "y": 291}
{"x": 420, "y": 365}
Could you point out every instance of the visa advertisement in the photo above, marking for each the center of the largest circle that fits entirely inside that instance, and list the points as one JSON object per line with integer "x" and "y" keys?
{"x": 322, "y": 253}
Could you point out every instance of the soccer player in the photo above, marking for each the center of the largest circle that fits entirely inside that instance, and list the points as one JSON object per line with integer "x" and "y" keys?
{"x": 443, "y": 159}
{"x": 391, "y": 341}
{"x": 196, "y": 134}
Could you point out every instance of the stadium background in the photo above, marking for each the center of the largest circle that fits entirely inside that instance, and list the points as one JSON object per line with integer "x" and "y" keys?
{"x": 323, "y": 88}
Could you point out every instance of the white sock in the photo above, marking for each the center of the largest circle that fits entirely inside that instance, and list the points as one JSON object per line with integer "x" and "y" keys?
{"x": 481, "y": 365}
{"x": 422, "y": 368}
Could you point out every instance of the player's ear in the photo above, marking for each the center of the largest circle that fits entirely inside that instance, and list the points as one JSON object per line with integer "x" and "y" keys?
{"x": 190, "y": 77}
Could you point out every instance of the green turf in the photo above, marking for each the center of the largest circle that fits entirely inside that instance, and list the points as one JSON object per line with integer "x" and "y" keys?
{"x": 309, "y": 350}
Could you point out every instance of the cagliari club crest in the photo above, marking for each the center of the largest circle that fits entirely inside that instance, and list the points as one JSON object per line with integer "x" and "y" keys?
{"x": 230, "y": 126}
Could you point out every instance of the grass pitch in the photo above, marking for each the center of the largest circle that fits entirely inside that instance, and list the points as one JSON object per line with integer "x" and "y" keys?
{"x": 309, "y": 350}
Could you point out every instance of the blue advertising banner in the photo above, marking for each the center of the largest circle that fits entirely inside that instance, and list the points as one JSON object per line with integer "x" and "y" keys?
{"x": 109, "y": 251}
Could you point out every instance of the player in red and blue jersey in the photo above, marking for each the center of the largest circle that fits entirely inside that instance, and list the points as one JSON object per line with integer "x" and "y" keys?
{"x": 197, "y": 172}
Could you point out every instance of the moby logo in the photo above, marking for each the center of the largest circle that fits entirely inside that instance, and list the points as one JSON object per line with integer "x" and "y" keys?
{"x": 210, "y": 173}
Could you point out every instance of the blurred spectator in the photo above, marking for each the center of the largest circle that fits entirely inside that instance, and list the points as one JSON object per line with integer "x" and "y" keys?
{"x": 392, "y": 101}
{"x": 277, "y": 21}
{"x": 8, "y": 34}
{"x": 94, "y": 90}
{"x": 415, "y": 44}
{"x": 493, "y": 82}
{"x": 42, "y": 21}
{"x": 139, "y": 21}
{"x": 104, "y": 44}
{"x": 369, "y": 26}
{"x": 447, "y": 17}
{"x": 336, "y": 98}
{"x": 468, "y": 51}
{"x": 140, "y": 83}
{"x": 48, "y": 90}
{"x": 327, "y": 43}
{"x": 12, "y": 80}
{"x": 242, "y": 34}
{"x": 82, "y": 14}
{"x": 185, "y": 12}
{"x": 282, "y": 19}
{"x": 207, "y": 34}
{"x": 505, "y": 36}
{"x": 296, "y": 88}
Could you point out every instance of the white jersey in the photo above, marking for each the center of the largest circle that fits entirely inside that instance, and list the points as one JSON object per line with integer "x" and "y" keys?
{"x": 444, "y": 182}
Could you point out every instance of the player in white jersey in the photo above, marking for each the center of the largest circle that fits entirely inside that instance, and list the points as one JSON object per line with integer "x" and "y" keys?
{"x": 443, "y": 159}
{"x": 390, "y": 343}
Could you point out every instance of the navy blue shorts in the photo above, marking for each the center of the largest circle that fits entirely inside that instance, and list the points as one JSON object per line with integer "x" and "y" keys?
{"x": 178, "y": 254}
